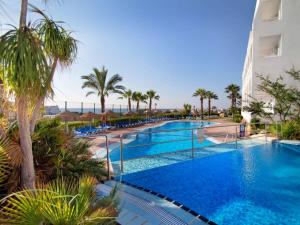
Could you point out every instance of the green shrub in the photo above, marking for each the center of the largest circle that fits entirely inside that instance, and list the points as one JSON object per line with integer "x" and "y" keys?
{"x": 58, "y": 154}
{"x": 289, "y": 130}
{"x": 237, "y": 118}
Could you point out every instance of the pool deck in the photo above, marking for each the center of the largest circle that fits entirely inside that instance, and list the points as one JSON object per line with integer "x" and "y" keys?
{"x": 143, "y": 208}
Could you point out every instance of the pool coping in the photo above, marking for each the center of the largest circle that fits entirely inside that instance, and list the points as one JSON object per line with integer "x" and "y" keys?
{"x": 163, "y": 197}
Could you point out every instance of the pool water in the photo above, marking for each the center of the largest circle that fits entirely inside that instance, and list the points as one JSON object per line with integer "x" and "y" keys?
{"x": 252, "y": 185}
{"x": 158, "y": 140}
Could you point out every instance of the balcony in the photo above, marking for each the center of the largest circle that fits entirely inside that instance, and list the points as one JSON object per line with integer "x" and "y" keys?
{"x": 270, "y": 46}
{"x": 270, "y": 10}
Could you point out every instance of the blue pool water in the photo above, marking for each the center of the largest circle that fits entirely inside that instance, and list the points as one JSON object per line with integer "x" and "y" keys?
{"x": 255, "y": 185}
{"x": 137, "y": 145}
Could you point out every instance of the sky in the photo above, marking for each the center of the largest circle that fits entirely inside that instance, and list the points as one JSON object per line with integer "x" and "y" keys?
{"x": 171, "y": 46}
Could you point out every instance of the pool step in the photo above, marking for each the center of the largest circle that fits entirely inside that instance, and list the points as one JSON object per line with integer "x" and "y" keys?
{"x": 139, "y": 207}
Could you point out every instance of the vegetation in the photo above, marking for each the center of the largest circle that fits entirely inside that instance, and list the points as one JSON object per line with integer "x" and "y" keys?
{"x": 58, "y": 154}
{"x": 139, "y": 97}
{"x": 29, "y": 55}
{"x": 100, "y": 85}
{"x": 285, "y": 106}
{"x": 201, "y": 93}
{"x": 151, "y": 95}
{"x": 187, "y": 109}
{"x": 234, "y": 95}
{"x": 127, "y": 94}
{"x": 210, "y": 95}
{"x": 63, "y": 201}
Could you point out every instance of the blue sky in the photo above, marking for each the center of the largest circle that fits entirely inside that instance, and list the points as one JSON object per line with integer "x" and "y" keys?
{"x": 172, "y": 46}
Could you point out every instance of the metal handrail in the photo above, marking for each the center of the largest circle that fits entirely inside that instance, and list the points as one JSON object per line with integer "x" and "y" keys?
{"x": 107, "y": 154}
{"x": 233, "y": 135}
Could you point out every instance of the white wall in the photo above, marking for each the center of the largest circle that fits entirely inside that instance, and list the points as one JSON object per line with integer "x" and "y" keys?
{"x": 288, "y": 26}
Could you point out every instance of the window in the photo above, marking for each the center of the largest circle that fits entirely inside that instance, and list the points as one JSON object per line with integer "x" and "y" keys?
{"x": 270, "y": 10}
{"x": 270, "y": 46}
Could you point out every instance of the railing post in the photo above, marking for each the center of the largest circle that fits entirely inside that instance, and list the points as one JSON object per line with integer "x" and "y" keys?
{"x": 266, "y": 138}
{"x": 276, "y": 130}
{"x": 193, "y": 150}
{"x": 236, "y": 133}
{"x": 94, "y": 108}
{"x": 81, "y": 107}
{"x": 121, "y": 153}
{"x": 107, "y": 158}
{"x": 66, "y": 106}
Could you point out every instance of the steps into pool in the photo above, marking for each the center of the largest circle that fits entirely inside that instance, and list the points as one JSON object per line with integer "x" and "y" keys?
{"x": 139, "y": 207}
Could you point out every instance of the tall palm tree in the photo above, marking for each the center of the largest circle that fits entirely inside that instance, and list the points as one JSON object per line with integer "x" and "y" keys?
{"x": 151, "y": 95}
{"x": 138, "y": 97}
{"x": 234, "y": 95}
{"x": 127, "y": 94}
{"x": 60, "y": 47}
{"x": 100, "y": 85}
{"x": 25, "y": 72}
{"x": 210, "y": 95}
{"x": 201, "y": 93}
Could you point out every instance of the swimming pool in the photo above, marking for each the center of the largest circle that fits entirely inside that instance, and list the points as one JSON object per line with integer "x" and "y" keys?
{"x": 253, "y": 185}
{"x": 158, "y": 140}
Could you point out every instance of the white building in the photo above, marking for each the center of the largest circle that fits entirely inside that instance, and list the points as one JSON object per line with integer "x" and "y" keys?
{"x": 273, "y": 46}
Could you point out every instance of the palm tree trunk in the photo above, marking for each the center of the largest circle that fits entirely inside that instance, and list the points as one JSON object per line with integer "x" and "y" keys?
{"x": 137, "y": 106}
{"x": 23, "y": 14}
{"x": 41, "y": 99}
{"x": 201, "y": 100}
{"x": 129, "y": 105}
{"x": 102, "y": 100}
{"x": 150, "y": 105}
{"x": 209, "y": 102}
{"x": 27, "y": 167}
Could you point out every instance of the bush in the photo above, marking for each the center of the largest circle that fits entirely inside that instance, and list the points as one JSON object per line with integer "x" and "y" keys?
{"x": 237, "y": 118}
{"x": 289, "y": 130}
{"x": 58, "y": 154}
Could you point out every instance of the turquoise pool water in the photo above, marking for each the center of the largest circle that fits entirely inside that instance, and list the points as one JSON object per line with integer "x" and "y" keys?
{"x": 253, "y": 185}
{"x": 158, "y": 140}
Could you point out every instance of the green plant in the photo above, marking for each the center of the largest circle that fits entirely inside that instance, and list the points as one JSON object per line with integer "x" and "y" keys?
{"x": 234, "y": 95}
{"x": 237, "y": 118}
{"x": 290, "y": 130}
{"x": 151, "y": 95}
{"x": 61, "y": 202}
{"x": 138, "y": 97}
{"x": 202, "y": 94}
{"x": 127, "y": 94}
{"x": 210, "y": 95}
{"x": 101, "y": 85}
{"x": 58, "y": 154}
{"x": 187, "y": 108}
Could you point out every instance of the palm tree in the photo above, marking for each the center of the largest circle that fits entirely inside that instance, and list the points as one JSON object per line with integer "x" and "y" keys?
{"x": 63, "y": 201}
{"x": 127, "y": 94}
{"x": 61, "y": 48}
{"x": 101, "y": 85}
{"x": 210, "y": 95}
{"x": 138, "y": 97}
{"x": 46, "y": 44}
{"x": 233, "y": 91}
{"x": 200, "y": 92}
{"x": 187, "y": 108}
{"x": 151, "y": 95}
{"x": 26, "y": 79}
